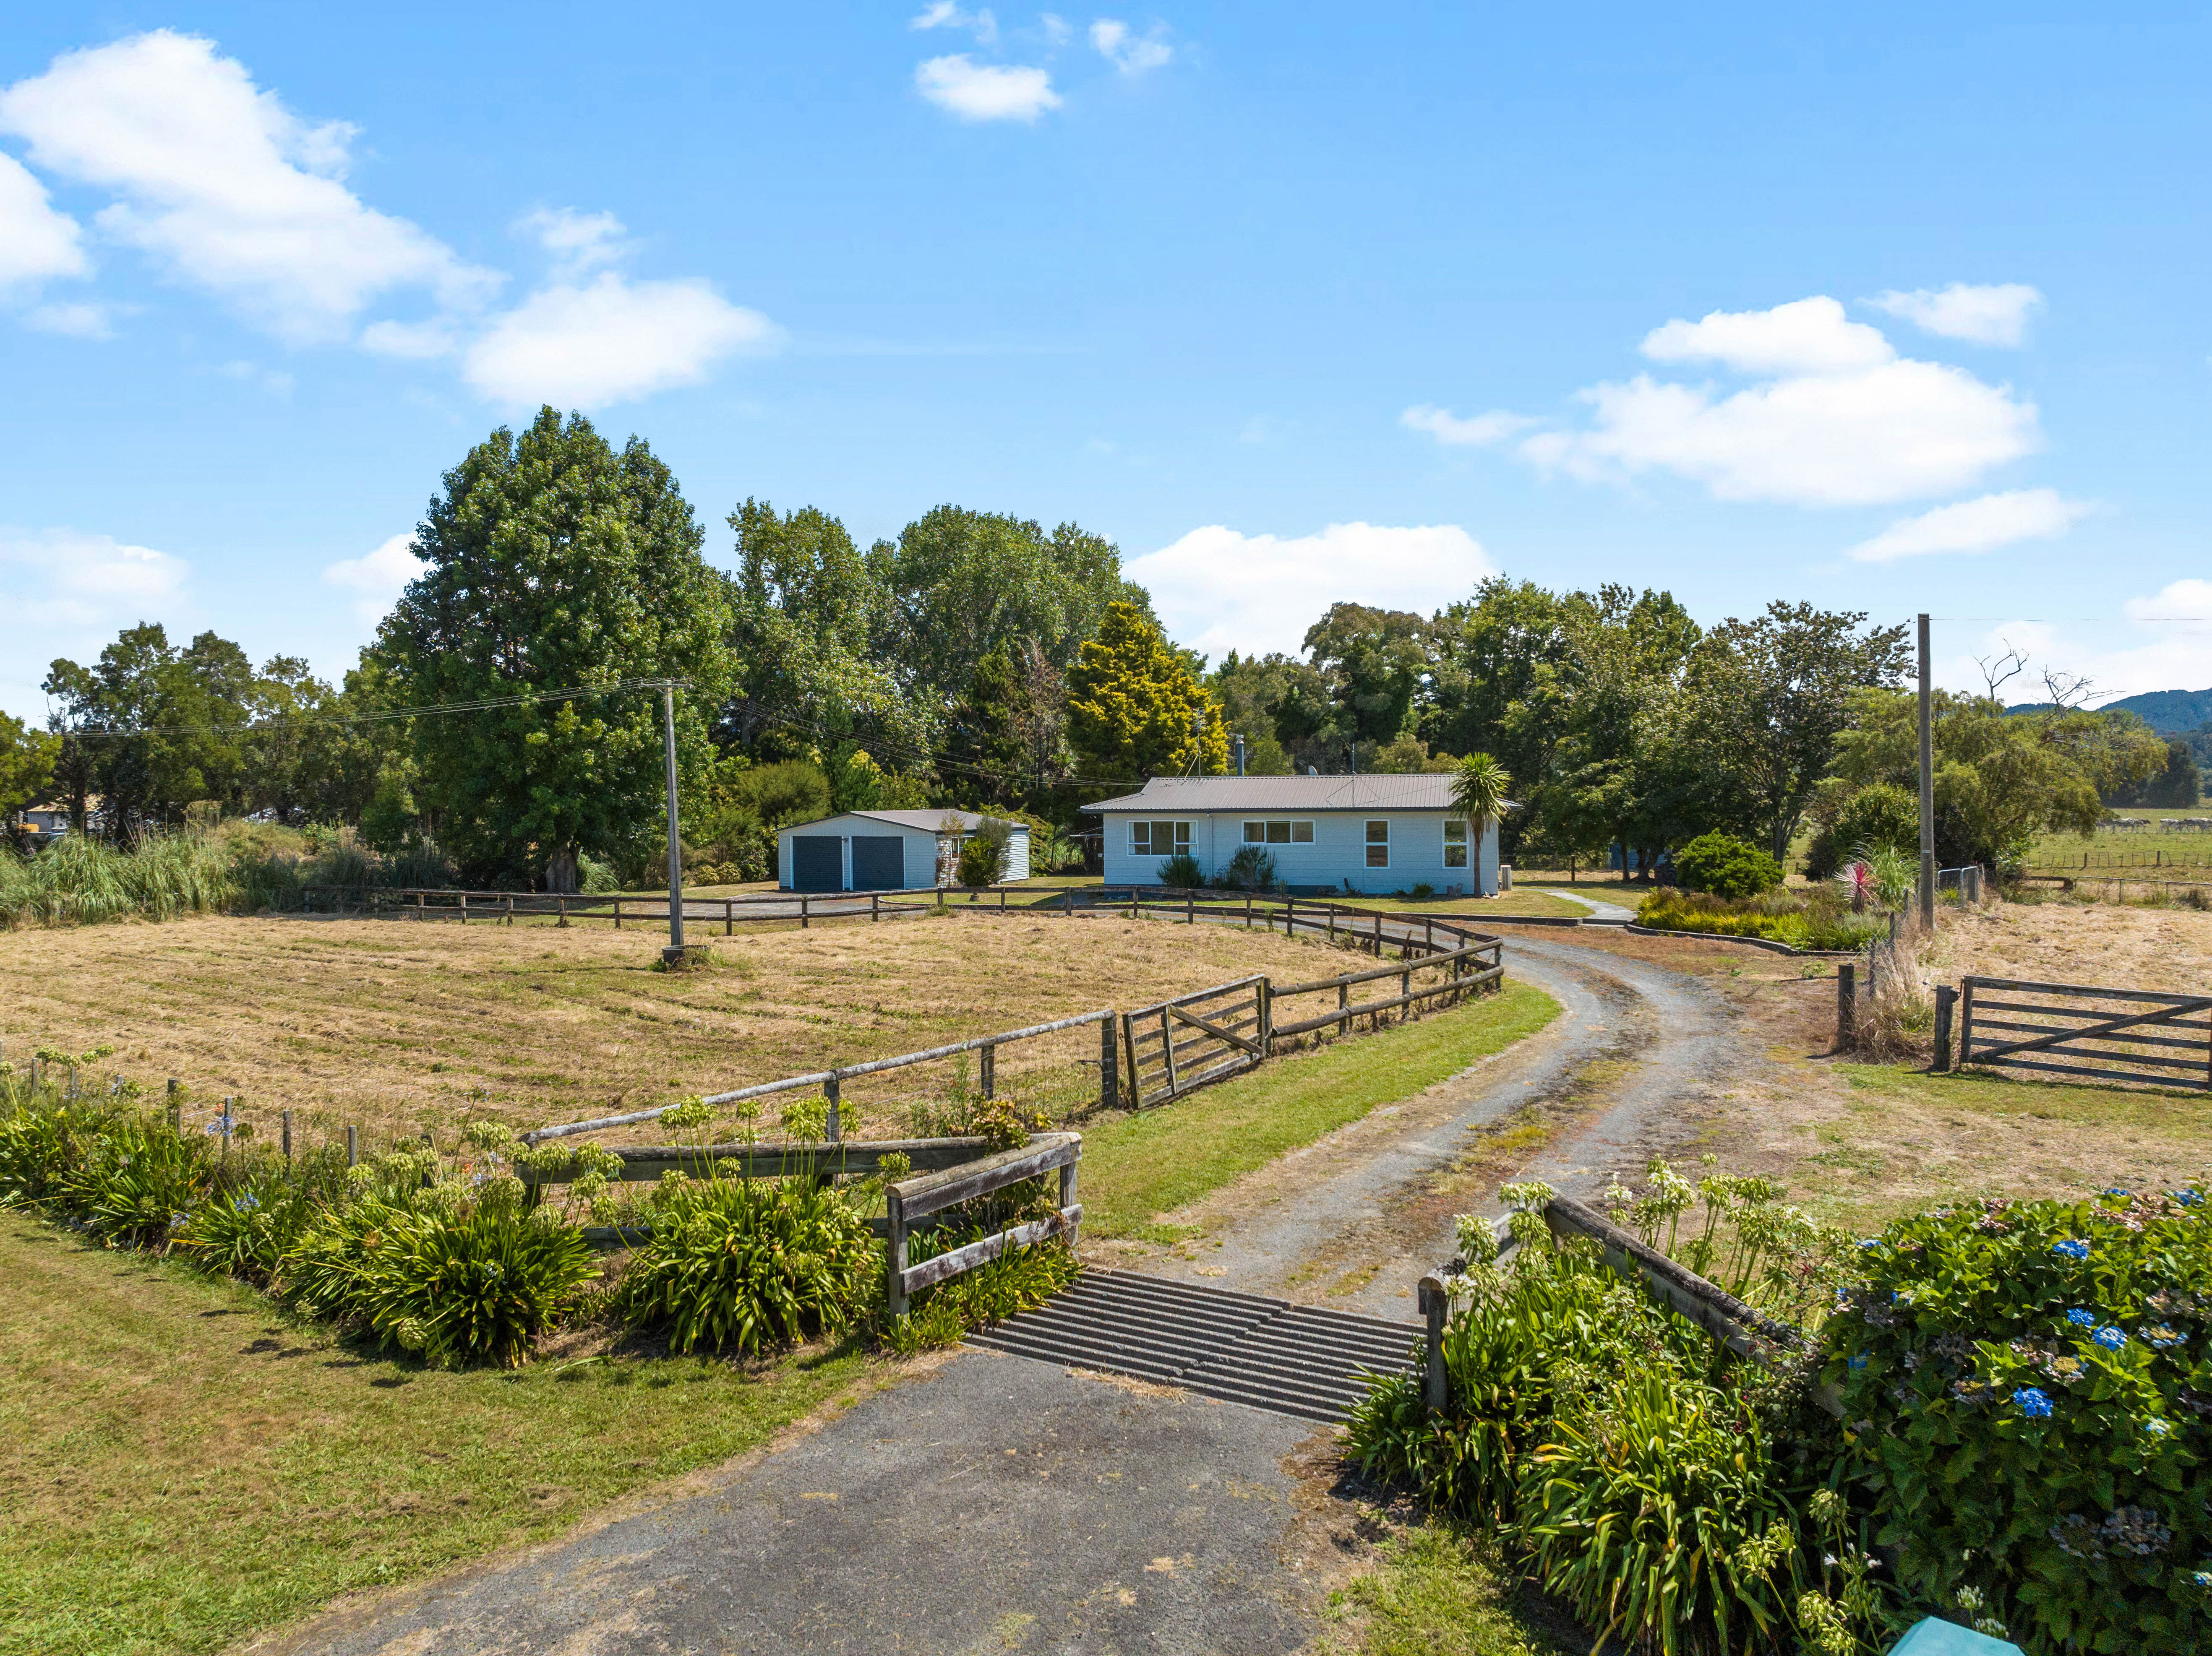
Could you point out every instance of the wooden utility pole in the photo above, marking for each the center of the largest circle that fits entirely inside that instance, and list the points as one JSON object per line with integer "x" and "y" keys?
{"x": 673, "y": 954}
{"x": 1927, "y": 791}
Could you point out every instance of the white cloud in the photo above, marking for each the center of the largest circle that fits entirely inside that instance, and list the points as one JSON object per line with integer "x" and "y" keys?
{"x": 1132, "y": 54}
{"x": 71, "y": 593}
{"x": 2190, "y": 599}
{"x": 1842, "y": 420}
{"x": 1056, "y": 29}
{"x": 580, "y": 242}
{"x": 231, "y": 191}
{"x": 984, "y": 91}
{"x": 1218, "y": 589}
{"x": 82, "y": 319}
{"x": 1985, "y": 315}
{"x": 610, "y": 342}
{"x": 413, "y": 342}
{"x": 1807, "y": 335}
{"x": 36, "y": 241}
{"x": 1479, "y": 431}
{"x": 378, "y": 577}
{"x": 1994, "y": 520}
{"x": 943, "y": 14}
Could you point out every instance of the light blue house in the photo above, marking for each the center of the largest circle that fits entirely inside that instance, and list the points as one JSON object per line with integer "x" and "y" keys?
{"x": 1367, "y": 834}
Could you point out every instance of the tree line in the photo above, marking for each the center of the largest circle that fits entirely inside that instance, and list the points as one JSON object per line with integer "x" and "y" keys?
{"x": 505, "y": 715}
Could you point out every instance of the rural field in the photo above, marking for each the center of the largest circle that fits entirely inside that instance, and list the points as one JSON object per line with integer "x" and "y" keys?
{"x": 398, "y": 1027}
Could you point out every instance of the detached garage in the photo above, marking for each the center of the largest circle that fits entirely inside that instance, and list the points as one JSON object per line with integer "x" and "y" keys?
{"x": 883, "y": 851}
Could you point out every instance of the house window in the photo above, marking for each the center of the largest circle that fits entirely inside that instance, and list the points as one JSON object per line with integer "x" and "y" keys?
{"x": 1158, "y": 839}
{"x": 1279, "y": 834}
{"x": 1378, "y": 845}
{"x": 1455, "y": 842}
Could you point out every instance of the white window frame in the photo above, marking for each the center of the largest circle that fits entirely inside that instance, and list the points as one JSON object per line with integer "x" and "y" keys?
{"x": 1289, "y": 826}
{"x": 1373, "y": 845}
{"x": 1180, "y": 836}
{"x": 1461, "y": 845}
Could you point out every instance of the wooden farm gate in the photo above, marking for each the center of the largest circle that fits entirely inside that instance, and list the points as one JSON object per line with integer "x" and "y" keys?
{"x": 2143, "y": 1035}
{"x": 1174, "y": 1045}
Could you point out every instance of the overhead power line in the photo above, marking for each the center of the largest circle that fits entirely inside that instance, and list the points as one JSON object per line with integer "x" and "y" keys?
{"x": 382, "y": 715}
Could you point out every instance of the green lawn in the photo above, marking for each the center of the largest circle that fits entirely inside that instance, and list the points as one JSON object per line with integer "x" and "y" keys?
{"x": 1439, "y": 1593}
{"x": 1137, "y": 1167}
{"x": 185, "y": 1467}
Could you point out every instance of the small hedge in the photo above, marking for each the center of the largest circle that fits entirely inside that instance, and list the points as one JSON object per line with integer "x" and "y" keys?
{"x": 1725, "y": 866}
{"x": 2027, "y": 1385}
{"x": 1819, "y": 921}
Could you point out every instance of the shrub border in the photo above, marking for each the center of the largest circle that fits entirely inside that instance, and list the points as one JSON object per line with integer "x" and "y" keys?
{"x": 1768, "y": 944}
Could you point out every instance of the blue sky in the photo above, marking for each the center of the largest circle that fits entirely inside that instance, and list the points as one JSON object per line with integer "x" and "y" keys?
{"x": 1896, "y": 311}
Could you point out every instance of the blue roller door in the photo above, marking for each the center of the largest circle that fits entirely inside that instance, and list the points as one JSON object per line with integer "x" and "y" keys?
{"x": 878, "y": 863}
{"x": 817, "y": 863}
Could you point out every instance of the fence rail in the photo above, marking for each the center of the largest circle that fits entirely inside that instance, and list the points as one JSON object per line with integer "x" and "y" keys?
{"x": 497, "y": 908}
{"x": 915, "y": 1198}
{"x": 2149, "y": 1037}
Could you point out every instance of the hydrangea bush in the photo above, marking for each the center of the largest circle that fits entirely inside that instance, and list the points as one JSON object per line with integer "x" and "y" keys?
{"x": 2026, "y": 1388}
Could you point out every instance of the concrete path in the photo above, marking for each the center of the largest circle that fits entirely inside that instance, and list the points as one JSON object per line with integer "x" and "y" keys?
{"x": 1600, "y": 908}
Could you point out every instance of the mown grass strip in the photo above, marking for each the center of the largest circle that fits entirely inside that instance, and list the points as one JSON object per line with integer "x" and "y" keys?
{"x": 186, "y": 1466}
{"x": 1137, "y": 1167}
{"x": 1438, "y": 1592}
{"x": 2171, "y": 1112}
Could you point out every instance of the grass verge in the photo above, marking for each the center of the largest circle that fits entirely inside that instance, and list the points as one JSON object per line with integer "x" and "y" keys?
{"x": 1435, "y": 1593}
{"x": 1909, "y": 1139}
{"x": 1137, "y": 1167}
{"x": 186, "y": 1466}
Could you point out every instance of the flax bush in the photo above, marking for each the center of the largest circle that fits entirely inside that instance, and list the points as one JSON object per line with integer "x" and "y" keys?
{"x": 1642, "y": 1472}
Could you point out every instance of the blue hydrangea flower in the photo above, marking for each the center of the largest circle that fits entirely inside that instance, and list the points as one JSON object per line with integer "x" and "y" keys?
{"x": 2073, "y": 1247}
{"x": 1869, "y": 1242}
{"x": 2081, "y": 1319}
{"x": 2156, "y": 1426}
{"x": 2110, "y": 1337}
{"x": 2114, "y": 1189}
{"x": 2202, "y": 1579}
{"x": 1858, "y": 1361}
{"x": 248, "y": 1202}
{"x": 2188, "y": 1198}
{"x": 2033, "y": 1402}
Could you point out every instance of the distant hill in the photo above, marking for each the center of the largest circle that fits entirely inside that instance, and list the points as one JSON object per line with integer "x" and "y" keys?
{"x": 2168, "y": 712}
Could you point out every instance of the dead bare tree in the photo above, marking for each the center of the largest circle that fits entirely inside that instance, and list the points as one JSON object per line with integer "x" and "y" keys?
{"x": 1998, "y": 669}
{"x": 2070, "y": 692}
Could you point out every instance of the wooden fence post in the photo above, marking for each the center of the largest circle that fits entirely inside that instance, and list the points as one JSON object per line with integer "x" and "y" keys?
{"x": 895, "y": 1260}
{"x": 1067, "y": 1198}
{"x": 353, "y": 1147}
{"x": 1846, "y": 1003}
{"x": 729, "y": 917}
{"x": 618, "y": 914}
{"x": 987, "y": 1070}
{"x": 1136, "y": 1085}
{"x": 1436, "y": 1384}
{"x": 561, "y": 904}
{"x": 1167, "y": 1047}
{"x": 1190, "y": 908}
{"x": 288, "y": 1138}
{"x": 832, "y": 1127}
{"x": 1267, "y": 1018}
{"x": 1406, "y": 987}
{"x": 876, "y": 908}
{"x": 422, "y": 898}
{"x": 510, "y": 911}
{"x": 803, "y": 908}
{"x": 1966, "y": 1022}
{"x": 1343, "y": 1000}
{"x": 1946, "y": 998}
{"x": 465, "y": 908}
{"x": 1331, "y": 922}
{"x": 1379, "y": 935}
{"x": 1109, "y": 1082}
{"x": 1068, "y": 902}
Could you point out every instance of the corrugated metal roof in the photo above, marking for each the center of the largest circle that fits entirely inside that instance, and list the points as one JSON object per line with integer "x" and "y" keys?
{"x": 1430, "y": 792}
{"x": 927, "y": 821}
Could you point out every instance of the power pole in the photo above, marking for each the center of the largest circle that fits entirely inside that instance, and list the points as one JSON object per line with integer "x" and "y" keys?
{"x": 1927, "y": 791}
{"x": 673, "y": 954}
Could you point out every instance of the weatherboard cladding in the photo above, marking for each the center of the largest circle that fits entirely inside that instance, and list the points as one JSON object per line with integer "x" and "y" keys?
{"x": 1338, "y": 810}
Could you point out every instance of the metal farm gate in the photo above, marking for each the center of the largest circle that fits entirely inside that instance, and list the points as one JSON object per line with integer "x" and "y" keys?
{"x": 2106, "y": 1034}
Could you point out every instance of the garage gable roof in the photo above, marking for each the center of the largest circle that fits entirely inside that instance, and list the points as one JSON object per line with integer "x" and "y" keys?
{"x": 925, "y": 821}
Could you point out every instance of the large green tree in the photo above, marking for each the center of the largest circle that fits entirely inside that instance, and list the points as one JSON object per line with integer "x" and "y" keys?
{"x": 963, "y": 584}
{"x": 551, "y": 561}
{"x": 1377, "y": 665}
{"x": 151, "y": 728}
{"x": 812, "y": 619}
{"x": 1135, "y": 709}
{"x": 26, "y": 766}
{"x": 1765, "y": 702}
